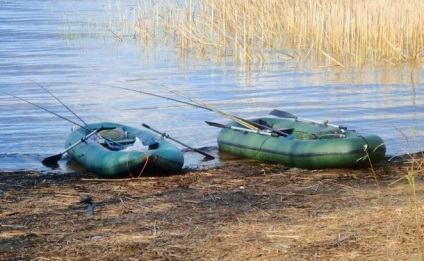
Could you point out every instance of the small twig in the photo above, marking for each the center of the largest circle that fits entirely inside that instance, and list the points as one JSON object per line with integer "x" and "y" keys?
{"x": 305, "y": 188}
{"x": 10, "y": 213}
{"x": 47, "y": 233}
{"x": 117, "y": 36}
{"x": 332, "y": 59}
{"x": 12, "y": 226}
{"x": 396, "y": 181}
{"x": 114, "y": 180}
{"x": 213, "y": 199}
{"x": 241, "y": 222}
{"x": 154, "y": 229}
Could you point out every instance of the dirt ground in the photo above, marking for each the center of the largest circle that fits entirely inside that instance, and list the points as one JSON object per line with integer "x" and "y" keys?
{"x": 238, "y": 211}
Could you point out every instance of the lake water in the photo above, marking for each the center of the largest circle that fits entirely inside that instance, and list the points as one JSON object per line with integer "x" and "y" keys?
{"x": 65, "y": 47}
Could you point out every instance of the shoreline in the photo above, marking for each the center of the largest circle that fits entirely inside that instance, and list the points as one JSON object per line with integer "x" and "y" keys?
{"x": 238, "y": 211}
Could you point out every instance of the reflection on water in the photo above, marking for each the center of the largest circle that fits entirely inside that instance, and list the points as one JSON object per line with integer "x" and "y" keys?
{"x": 39, "y": 44}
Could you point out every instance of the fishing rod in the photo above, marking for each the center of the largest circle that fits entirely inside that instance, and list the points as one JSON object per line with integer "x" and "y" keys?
{"x": 40, "y": 107}
{"x": 234, "y": 118}
{"x": 52, "y": 160}
{"x": 69, "y": 109}
{"x": 155, "y": 95}
{"x": 145, "y": 125}
{"x": 258, "y": 125}
{"x": 87, "y": 127}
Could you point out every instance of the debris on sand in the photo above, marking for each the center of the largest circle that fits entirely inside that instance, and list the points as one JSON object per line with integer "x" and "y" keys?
{"x": 240, "y": 211}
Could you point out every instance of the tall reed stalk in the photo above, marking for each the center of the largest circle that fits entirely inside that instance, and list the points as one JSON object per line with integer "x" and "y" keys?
{"x": 343, "y": 32}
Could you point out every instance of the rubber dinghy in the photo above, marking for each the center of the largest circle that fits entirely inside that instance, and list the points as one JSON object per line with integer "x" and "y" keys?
{"x": 120, "y": 151}
{"x": 305, "y": 145}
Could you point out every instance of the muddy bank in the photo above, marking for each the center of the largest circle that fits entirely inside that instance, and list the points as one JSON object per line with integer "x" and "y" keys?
{"x": 240, "y": 211}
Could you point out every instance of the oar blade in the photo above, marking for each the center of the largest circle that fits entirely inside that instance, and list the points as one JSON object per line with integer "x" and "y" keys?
{"x": 179, "y": 142}
{"x": 207, "y": 156}
{"x": 215, "y": 124}
{"x": 52, "y": 160}
{"x": 282, "y": 114}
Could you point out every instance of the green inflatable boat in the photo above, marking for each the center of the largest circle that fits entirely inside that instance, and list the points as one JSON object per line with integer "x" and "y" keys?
{"x": 121, "y": 151}
{"x": 302, "y": 144}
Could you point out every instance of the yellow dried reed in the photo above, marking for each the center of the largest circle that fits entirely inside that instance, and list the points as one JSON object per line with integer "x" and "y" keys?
{"x": 344, "y": 32}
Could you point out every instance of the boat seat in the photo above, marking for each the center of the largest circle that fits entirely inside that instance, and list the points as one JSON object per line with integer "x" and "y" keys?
{"x": 151, "y": 142}
{"x": 116, "y": 144}
{"x": 287, "y": 131}
{"x": 124, "y": 141}
{"x": 117, "y": 133}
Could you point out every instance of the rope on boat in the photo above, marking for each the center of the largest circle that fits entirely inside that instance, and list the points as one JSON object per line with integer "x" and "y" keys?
{"x": 260, "y": 148}
{"x": 145, "y": 163}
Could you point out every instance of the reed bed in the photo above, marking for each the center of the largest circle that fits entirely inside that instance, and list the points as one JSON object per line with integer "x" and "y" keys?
{"x": 337, "y": 32}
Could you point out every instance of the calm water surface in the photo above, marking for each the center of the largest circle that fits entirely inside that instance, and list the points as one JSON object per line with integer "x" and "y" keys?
{"x": 64, "y": 46}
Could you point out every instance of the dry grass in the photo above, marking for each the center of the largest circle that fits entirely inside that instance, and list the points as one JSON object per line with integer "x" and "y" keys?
{"x": 343, "y": 33}
{"x": 243, "y": 211}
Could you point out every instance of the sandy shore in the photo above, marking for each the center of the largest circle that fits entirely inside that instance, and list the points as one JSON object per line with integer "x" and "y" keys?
{"x": 240, "y": 211}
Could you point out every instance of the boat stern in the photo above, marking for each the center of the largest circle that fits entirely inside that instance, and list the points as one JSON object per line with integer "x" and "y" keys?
{"x": 375, "y": 148}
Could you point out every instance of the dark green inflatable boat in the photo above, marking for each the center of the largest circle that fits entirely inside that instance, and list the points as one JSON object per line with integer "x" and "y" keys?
{"x": 121, "y": 151}
{"x": 302, "y": 144}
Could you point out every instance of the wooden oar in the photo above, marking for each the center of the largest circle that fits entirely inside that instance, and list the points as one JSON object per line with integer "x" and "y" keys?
{"x": 219, "y": 125}
{"x": 185, "y": 145}
{"x": 52, "y": 160}
{"x": 283, "y": 114}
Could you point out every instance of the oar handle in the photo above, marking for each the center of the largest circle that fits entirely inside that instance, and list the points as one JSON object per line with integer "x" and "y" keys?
{"x": 261, "y": 126}
{"x": 219, "y": 125}
{"x": 52, "y": 160}
{"x": 284, "y": 114}
{"x": 85, "y": 138}
{"x": 253, "y": 131}
{"x": 323, "y": 123}
{"x": 163, "y": 134}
